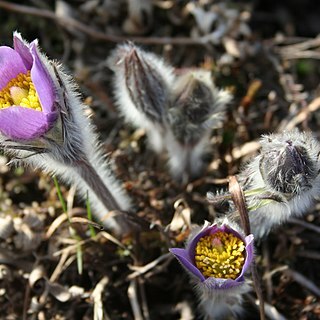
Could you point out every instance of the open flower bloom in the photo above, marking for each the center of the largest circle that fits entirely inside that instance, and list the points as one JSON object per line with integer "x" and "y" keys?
{"x": 217, "y": 256}
{"x": 43, "y": 123}
{"x": 26, "y": 92}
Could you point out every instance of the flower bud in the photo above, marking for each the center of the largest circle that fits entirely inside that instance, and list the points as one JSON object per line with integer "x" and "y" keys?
{"x": 282, "y": 181}
{"x": 142, "y": 83}
{"x": 197, "y": 107}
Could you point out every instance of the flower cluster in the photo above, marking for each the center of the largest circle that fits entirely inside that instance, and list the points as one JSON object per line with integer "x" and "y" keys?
{"x": 281, "y": 182}
{"x": 43, "y": 123}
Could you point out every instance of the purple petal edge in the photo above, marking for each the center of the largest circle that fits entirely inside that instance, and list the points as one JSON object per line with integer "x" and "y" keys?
{"x": 250, "y": 254}
{"x": 23, "y": 50}
{"x": 42, "y": 81}
{"x": 183, "y": 257}
{"x": 11, "y": 65}
{"x": 186, "y": 258}
{"x": 23, "y": 123}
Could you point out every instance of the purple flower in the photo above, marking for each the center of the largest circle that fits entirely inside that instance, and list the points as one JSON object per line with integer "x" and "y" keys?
{"x": 217, "y": 256}
{"x": 27, "y": 93}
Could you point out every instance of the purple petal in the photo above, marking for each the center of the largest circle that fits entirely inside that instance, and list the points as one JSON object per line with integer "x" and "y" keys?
{"x": 23, "y": 49}
{"x": 11, "y": 65}
{"x": 249, "y": 254}
{"x": 186, "y": 257}
{"x": 218, "y": 283}
{"x": 23, "y": 123}
{"x": 183, "y": 257}
{"x": 42, "y": 81}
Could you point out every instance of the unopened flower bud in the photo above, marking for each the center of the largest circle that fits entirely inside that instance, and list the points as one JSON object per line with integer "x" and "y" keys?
{"x": 142, "y": 83}
{"x": 197, "y": 107}
{"x": 282, "y": 181}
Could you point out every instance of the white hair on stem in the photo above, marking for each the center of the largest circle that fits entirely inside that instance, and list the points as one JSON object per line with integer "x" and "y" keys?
{"x": 71, "y": 151}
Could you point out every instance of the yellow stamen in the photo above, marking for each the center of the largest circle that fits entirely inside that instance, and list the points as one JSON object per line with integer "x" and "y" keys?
{"x": 20, "y": 91}
{"x": 220, "y": 255}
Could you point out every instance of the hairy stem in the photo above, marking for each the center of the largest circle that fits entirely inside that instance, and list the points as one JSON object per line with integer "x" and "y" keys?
{"x": 94, "y": 182}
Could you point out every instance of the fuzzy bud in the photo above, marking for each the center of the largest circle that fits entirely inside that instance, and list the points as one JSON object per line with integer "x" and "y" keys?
{"x": 282, "y": 181}
{"x": 142, "y": 82}
{"x": 197, "y": 107}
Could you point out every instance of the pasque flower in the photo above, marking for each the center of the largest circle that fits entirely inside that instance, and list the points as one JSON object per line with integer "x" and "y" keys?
{"x": 282, "y": 181}
{"x": 142, "y": 85}
{"x": 43, "y": 123}
{"x": 178, "y": 109}
{"x": 217, "y": 258}
{"x": 26, "y": 92}
{"x": 197, "y": 106}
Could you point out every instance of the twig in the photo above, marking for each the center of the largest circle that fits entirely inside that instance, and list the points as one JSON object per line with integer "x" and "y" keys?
{"x": 302, "y": 115}
{"x": 301, "y": 50}
{"x": 304, "y": 45}
{"x": 238, "y": 198}
{"x": 73, "y": 243}
{"x": 86, "y": 221}
{"x": 144, "y": 303}
{"x": 98, "y": 312}
{"x": 141, "y": 270}
{"x": 274, "y": 271}
{"x": 57, "y": 222}
{"x": 70, "y": 199}
{"x": 245, "y": 149}
{"x": 133, "y": 297}
{"x": 296, "y": 276}
{"x": 310, "y": 54}
{"x": 305, "y": 224}
{"x": 114, "y": 240}
{"x": 309, "y": 254}
{"x": 25, "y": 302}
{"x": 58, "y": 270}
{"x": 95, "y": 34}
{"x": 304, "y": 281}
{"x": 271, "y": 312}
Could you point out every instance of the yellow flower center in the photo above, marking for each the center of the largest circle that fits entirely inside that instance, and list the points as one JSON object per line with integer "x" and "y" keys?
{"x": 20, "y": 91}
{"x": 220, "y": 255}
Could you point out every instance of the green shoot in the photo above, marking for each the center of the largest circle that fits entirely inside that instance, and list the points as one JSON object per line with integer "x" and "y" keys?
{"x": 71, "y": 229}
{"x": 63, "y": 203}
